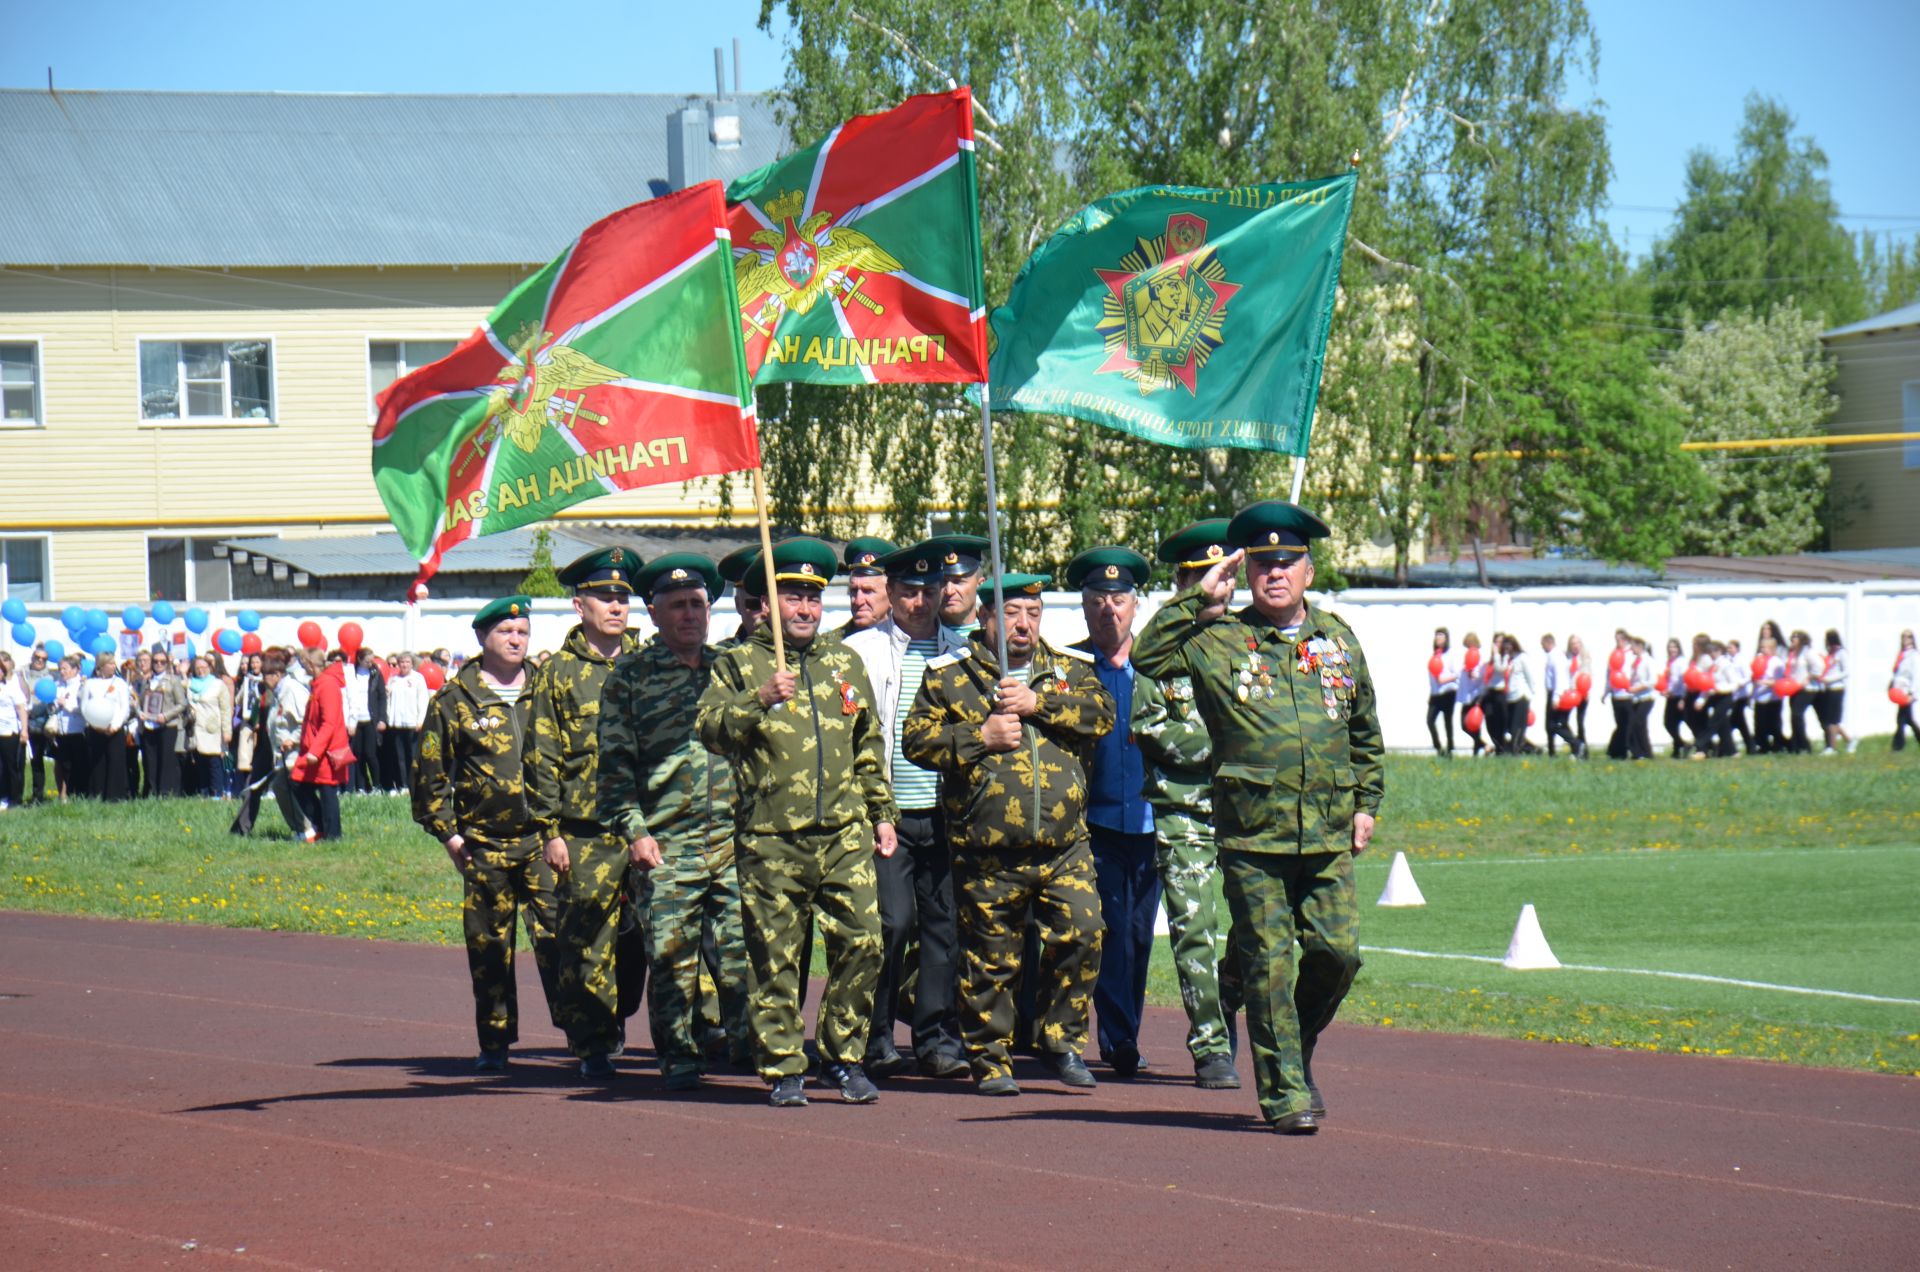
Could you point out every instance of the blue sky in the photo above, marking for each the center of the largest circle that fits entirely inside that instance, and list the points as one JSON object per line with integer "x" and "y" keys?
{"x": 1673, "y": 73}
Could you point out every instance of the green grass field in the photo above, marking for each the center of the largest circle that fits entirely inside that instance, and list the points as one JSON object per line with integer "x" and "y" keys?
{"x": 1792, "y": 872}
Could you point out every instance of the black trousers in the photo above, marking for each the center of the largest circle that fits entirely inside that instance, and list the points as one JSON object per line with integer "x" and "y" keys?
{"x": 366, "y": 764}
{"x": 43, "y": 745}
{"x": 402, "y": 745}
{"x": 1700, "y": 723}
{"x": 160, "y": 753}
{"x": 13, "y": 767}
{"x": 1801, "y": 701}
{"x": 1440, "y": 707}
{"x": 1720, "y": 723}
{"x": 1766, "y": 728}
{"x": 1557, "y": 728}
{"x": 1479, "y": 743}
{"x": 106, "y": 764}
{"x": 1737, "y": 719}
{"x": 917, "y": 919}
{"x": 1903, "y": 725}
{"x": 1639, "y": 741}
{"x": 1493, "y": 709}
{"x": 1674, "y": 717}
{"x": 1617, "y": 745}
{"x": 321, "y": 804}
{"x": 1580, "y": 727}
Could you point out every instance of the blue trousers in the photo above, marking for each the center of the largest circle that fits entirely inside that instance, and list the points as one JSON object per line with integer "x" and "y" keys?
{"x": 1129, "y": 897}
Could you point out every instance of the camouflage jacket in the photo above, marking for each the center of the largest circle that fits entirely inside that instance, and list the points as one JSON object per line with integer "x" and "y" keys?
{"x": 814, "y": 763}
{"x": 469, "y": 774}
{"x": 563, "y": 722}
{"x": 1033, "y": 797}
{"x": 1296, "y": 738}
{"x": 1175, "y": 745}
{"x": 655, "y": 777}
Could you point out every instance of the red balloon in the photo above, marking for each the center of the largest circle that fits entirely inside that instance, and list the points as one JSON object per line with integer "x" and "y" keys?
{"x": 1618, "y": 679}
{"x": 1787, "y": 686}
{"x": 1699, "y": 681}
{"x": 1531, "y": 718}
{"x": 1473, "y": 659}
{"x": 1583, "y": 684}
{"x": 1473, "y": 719}
{"x": 250, "y": 643}
{"x": 1759, "y": 667}
{"x": 311, "y": 637}
{"x": 1661, "y": 684}
{"x": 350, "y": 636}
{"x": 1618, "y": 660}
{"x": 1566, "y": 701}
{"x": 431, "y": 672}
{"x": 1436, "y": 664}
{"x": 1899, "y": 697}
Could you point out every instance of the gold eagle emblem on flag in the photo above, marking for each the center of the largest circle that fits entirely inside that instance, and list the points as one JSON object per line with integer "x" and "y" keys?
{"x": 797, "y": 262}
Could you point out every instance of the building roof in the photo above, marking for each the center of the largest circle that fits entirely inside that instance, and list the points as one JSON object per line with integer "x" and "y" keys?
{"x": 1511, "y": 572}
{"x": 335, "y": 179}
{"x": 1906, "y": 316}
{"x": 382, "y": 554}
{"x": 1863, "y": 565}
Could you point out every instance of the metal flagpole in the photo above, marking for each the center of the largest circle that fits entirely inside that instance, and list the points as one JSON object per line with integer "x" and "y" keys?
{"x": 1299, "y": 477}
{"x": 766, "y": 557}
{"x": 993, "y": 527}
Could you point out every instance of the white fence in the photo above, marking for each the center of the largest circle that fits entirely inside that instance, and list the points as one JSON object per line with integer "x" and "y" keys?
{"x": 1395, "y": 628}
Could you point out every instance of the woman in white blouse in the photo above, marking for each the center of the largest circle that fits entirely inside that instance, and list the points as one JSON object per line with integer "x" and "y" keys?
{"x": 1519, "y": 695}
{"x": 1906, "y": 678}
{"x": 1832, "y": 702}
{"x": 106, "y": 704}
{"x": 407, "y": 695}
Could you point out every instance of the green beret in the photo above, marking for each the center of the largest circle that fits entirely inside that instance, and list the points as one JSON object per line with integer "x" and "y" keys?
{"x": 603, "y": 569}
{"x": 863, "y": 555}
{"x": 954, "y": 555}
{"x": 733, "y": 566}
{"x": 677, "y": 571}
{"x": 506, "y": 607}
{"x": 798, "y": 560}
{"x": 1198, "y": 546}
{"x": 1018, "y": 586}
{"x": 1274, "y": 525}
{"x": 1108, "y": 569}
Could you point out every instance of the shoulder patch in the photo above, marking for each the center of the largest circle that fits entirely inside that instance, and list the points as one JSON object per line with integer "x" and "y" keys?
{"x": 947, "y": 660}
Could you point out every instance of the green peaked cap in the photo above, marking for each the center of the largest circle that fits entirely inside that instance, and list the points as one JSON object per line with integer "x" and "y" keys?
{"x": 611, "y": 569}
{"x": 1108, "y": 569}
{"x": 675, "y": 571}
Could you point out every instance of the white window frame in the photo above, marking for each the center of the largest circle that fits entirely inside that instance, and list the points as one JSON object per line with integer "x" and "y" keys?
{"x": 187, "y": 534}
{"x": 373, "y": 411}
{"x": 183, "y": 420}
{"x": 39, "y": 419}
{"x": 46, "y": 558}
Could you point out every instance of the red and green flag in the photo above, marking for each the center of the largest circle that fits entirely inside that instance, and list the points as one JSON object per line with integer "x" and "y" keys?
{"x": 858, "y": 259}
{"x": 1191, "y": 317}
{"x": 619, "y": 365}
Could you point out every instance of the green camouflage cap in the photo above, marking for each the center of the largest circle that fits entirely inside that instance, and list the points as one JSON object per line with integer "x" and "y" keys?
{"x": 603, "y": 569}
{"x": 506, "y": 607}
{"x": 1108, "y": 569}
{"x": 676, "y": 571}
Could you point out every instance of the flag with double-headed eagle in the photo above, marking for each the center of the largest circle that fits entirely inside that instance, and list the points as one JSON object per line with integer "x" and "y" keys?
{"x": 858, "y": 259}
{"x": 1187, "y": 316}
{"x": 616, "y": 366}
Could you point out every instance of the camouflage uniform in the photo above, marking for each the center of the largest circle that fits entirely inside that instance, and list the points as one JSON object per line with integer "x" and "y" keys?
{"x": 468, "y": 781}
{"x": 1174, "y": 742}
{"x": 1296, "y": 753}
{"x": 812, "y": 784}
{"x": 599, "y": 987}
{"x": 1017, "y": 821}
{"x": 657, "y": 779}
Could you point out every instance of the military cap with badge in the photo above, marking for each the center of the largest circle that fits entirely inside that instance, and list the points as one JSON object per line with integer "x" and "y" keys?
{"x": 677, "y": 571}
{"x": 955, "y": 555}
{"x": 1275, "y": 526}
{"x": 1108, "y": 569}
{"x": 603, "y": 570}
{"x": 499, "y": 610}
{"x": 865, "y": 556}
{"x": 1198, "y": 546}
{"x": 802, "y": 559}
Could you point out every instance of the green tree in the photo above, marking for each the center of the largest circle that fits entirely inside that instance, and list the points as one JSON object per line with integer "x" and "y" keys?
{"x": 1745, "y": 376}
{"x": 1468, "y": 157}
{"x": 1759, "y": 229}
{"x": 541, "y": 579}
{"x": 1892, "y": 272}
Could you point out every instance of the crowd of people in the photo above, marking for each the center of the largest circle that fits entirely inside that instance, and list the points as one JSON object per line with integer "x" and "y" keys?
{"x": 1714, "y": 701}
{"x": 157, "y": 725}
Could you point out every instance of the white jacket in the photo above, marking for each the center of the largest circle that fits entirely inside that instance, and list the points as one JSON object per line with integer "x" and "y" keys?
{"x": 1906, "y": 671}
{"x": 407, "y": 701}
{"x": 1448, "y": 681}
{"x": 1519, "y": 678}
{"x": 882, "y": 648}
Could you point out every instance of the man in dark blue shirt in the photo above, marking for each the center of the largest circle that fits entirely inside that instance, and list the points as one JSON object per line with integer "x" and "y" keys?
{"x": 1119, "y": 819}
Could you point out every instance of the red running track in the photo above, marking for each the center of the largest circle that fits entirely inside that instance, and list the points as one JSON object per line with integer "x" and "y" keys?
{"x": 290, "y": 1101}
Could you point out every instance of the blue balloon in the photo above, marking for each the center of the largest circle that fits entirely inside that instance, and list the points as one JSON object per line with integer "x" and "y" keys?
{"x": 249, "y": 620}
{"x": 134, "y": 617}
{"x": 228, "y": 641}
{"x": 73, "y": 616}
{"x": 55, "y": 651}
{"x": 196, "y": 620}
{"x": 23, "y": 633}
{"x": 44, "y": 689}
{"x": 163, "y": 612}
{"x": 86, "y": 664}
{"x": 101, "y": 645}
{"x": 14, "y": 610}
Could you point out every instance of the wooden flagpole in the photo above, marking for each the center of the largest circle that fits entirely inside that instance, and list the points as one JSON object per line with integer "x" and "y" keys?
{"x": 766, "y": 558}
{"x": 993, "y": 526}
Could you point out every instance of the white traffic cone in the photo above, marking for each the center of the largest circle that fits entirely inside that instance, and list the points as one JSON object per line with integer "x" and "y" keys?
{"x": 1528, "y": 951}
{"x": 1400, "y": 889}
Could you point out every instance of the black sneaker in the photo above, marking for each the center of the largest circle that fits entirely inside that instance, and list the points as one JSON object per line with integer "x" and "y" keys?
{"x": 1069, "y": 1068}
{"x": 854, "y": 1085}
{"x": 789, "y": 1092}
{"x": 491, "y": 1060}
{"x": 1216, "y": 1073}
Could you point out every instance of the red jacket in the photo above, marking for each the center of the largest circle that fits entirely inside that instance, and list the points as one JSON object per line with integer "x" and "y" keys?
{"x": 324, "y": 750}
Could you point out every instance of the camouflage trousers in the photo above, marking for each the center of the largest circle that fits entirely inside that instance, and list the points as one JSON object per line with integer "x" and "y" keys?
{"x": 504, "y": 886}
{"x": 1277, "y": 899}
{"x": 1203, "y": 957}
{"x": 692, "y": 902}
{"x": 603, "y": 945}
{"x": 784, "y": 878}
{"x": 996, "y": 896}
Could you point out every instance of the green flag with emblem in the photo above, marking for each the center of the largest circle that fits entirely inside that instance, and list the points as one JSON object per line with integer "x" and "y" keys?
{"x": 1188, "y": 316}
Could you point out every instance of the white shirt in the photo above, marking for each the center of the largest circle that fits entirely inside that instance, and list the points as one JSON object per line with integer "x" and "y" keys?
{"x": 1834, "y": 670}
{"x": 1677, "y": 676}
{"x": 1449, "y": 680}
{"x": 1906, "y": 670}
{"x": 1519, "y": 678}
{"x": 1727, "y": 676}
{"x": 357, "y": 697}
{"x": 1553, "y": 673}
{"x": 12, "y": 704}
{"x": 407, "y": 701}
{"x": 1473, "y": 683}
{"x": 109, "y": 695}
